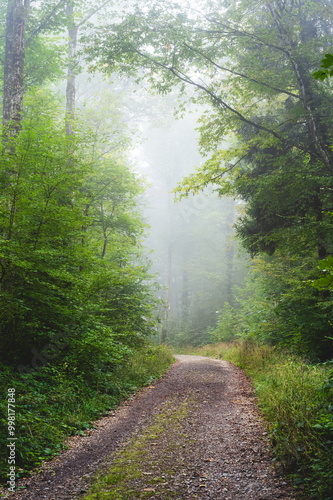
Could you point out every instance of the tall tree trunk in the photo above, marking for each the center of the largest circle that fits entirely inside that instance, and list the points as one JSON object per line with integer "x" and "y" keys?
{"x": 17, "y": 15}
{"x": 71, "y": 70}
{"x": 305, "y": 81}
{"x": 185, "y": 297}
{"x": 73, "y": 30}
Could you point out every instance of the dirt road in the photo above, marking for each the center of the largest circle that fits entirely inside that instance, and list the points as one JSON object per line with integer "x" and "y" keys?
{"x": 195, "y": 434}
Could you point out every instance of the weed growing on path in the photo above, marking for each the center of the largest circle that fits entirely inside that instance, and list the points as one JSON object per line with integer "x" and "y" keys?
{"x": 137, "y": 471}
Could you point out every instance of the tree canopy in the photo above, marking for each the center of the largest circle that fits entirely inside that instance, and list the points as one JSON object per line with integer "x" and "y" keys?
{"x": 71, "y": 259}
{"x": 267, "y": 131}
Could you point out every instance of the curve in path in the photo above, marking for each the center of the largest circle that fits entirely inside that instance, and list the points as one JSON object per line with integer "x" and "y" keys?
{"x": 197, "y": 435}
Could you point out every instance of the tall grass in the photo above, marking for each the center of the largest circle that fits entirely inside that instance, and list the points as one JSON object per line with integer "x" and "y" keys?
{"x": 296, "y": 400}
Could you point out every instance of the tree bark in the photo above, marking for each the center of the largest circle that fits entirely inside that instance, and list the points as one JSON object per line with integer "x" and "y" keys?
{"x": 17, "y": 15}
{"x": 71, "y": 75}
{"x": 73, "y": 30}
{"x": 304, "y": 80}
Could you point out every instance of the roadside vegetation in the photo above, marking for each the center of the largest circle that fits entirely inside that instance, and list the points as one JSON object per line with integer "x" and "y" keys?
{"x": 78, "y": 303}
{"x": 78, "y": 308}
{"x": 52, "y": 405}
{"x": 295, "y": 398}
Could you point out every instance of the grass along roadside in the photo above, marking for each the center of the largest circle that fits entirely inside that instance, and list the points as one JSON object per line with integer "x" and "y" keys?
{"x": 51, "y": 405}
{"x": 296, "y": 399}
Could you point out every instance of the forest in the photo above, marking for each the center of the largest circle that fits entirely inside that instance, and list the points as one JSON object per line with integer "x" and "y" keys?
{"x": 165, "y": 183}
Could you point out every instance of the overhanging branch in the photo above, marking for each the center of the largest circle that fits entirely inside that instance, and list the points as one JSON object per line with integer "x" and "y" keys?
{"x": 186, "y": 79}
{"x": 277, "y": 89}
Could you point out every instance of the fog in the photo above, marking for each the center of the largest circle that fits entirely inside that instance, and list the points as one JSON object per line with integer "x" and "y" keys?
{"x": 191, "y": 246}
{"x": 194, "y": 255}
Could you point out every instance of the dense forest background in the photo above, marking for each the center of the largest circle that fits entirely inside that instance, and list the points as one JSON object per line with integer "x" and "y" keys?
{"x": 266, "y": 134}
{"x": 92, "y": 155}
{"x": 70, "y": 219}
{"x": 196, "y": 257}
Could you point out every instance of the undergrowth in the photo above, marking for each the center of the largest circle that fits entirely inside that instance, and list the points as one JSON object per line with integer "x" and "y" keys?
{"x": 50, "y": 405}
{"x": 296, "y": 399}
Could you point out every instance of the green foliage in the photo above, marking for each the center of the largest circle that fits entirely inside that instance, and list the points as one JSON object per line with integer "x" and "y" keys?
{"x": 280, "y": 305}
{"x": 147, "y": 364}
{"x": 44, "y": 63}
{"x": 179, "y": 336}
{"x": 327, "y": 65}
{"x": 325, "y": 281}
{"x": 267, "y": 133}
{"x": 51, "y": 405}
{"x": 70, "y": 259}
{"x": 227, "y": 326}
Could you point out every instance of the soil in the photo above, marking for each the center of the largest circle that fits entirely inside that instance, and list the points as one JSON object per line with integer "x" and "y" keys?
{"x": 200, "y": 436}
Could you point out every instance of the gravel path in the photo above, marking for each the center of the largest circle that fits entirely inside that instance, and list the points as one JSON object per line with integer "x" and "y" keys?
{"x": 218, "y": 450}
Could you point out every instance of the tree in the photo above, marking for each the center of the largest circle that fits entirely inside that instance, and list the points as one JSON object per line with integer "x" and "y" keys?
{"x": 210, "y": 51}
{"x": 73, "y": 29}
{"x": 31, "y": 57}
{"x": 253, "y": 65}
{"x": 72, "y": 266}
{"x": 17, "y": 14}
{"x": 71, "y": 263}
